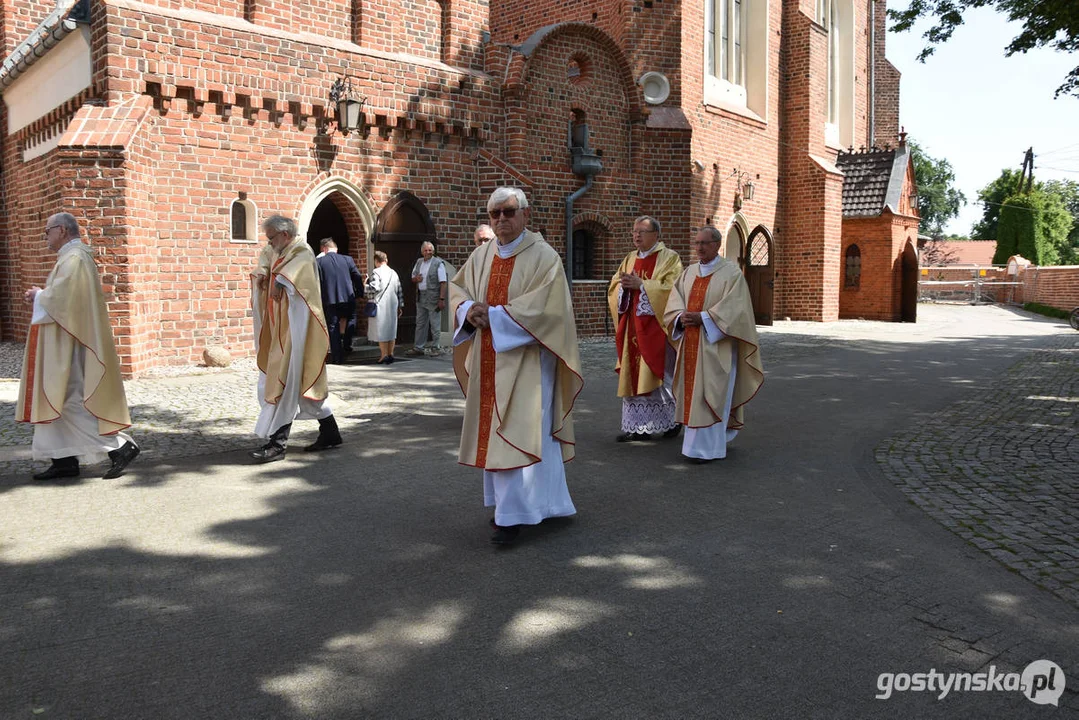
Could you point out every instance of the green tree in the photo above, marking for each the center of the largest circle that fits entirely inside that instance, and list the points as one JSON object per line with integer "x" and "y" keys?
{"x": 1060, "y": 195}
{"x": 1068, "y": 191}
{"x": 1035, "y": 225}
{"x": 992, "y": 196}
{"x": 938, "y": 199}
{"x": 1053, "y": 23}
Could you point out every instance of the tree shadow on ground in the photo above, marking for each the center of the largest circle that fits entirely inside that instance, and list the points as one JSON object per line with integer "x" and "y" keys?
{"x": 359, "y": 582}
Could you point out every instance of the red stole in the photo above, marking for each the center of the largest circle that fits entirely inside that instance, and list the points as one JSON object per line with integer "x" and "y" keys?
{"x": 644, "y": 334}
{"x": 691, "y": 342}
{"x": 498, "y": 288}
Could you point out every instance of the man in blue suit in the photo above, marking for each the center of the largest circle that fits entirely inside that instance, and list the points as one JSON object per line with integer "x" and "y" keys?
{"x": 339, "y": 278}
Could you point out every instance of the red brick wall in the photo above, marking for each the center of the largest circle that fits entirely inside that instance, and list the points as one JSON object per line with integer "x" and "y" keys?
{"x": 886, "y": 84}
{"x": 881, "y": 241}
{"x": 1053, "y": 286}
{"x": 20, "y": 18}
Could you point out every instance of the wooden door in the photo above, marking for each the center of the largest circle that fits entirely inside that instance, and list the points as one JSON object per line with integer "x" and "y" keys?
{"x": 402, "y": 227}
{"x": 760, "y": 274}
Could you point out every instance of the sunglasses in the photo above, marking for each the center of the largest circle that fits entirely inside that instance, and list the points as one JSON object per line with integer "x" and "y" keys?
{"x": 504, "y": 212}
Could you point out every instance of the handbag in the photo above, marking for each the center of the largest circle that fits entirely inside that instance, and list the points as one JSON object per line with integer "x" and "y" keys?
{"x": 370, "y": 308}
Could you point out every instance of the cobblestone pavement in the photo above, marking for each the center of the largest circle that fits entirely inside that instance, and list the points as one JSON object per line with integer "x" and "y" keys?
{"x": 997, "y": 467}
{"x": 1000, "y": 467}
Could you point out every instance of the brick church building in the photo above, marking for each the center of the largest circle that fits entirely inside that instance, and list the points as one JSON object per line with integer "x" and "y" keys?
{"x": 171, "y": 128}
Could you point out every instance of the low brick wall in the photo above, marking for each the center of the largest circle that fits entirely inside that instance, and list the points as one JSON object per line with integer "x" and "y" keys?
{"x": 1053, "y": 286}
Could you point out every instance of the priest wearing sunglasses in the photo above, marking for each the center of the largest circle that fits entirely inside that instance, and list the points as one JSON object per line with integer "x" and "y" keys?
{"x": 516, "y": 358}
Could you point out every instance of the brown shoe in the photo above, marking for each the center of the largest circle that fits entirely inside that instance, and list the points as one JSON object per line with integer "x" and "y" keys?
{"x": 414, "y": 352}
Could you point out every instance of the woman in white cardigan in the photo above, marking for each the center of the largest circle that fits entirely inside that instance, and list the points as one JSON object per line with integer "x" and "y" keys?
{"x": 384, "y": 289}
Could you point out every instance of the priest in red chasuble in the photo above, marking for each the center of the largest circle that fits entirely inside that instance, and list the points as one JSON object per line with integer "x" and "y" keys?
{"x": 637, "y": 298}
{"x": 709, "y": 317}
{"x": 516, "y": 358}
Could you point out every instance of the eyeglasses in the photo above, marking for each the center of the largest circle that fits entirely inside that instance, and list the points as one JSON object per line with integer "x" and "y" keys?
{"x": 644, "y": 232}
{"x": 503, "y": 212}
{"x": 51, "y": 227}
{"x": 701, "y": 243}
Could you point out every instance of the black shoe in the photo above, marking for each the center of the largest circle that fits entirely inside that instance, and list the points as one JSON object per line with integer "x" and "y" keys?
{"x": 699, "y": 461}
{"x": 328, "y": 435}
{"x": 505, "y": 535}
{"x": 673, "y": 432}
{"x": 61, "y": 468}
{"x": 121, "y": 458}
{"x": 632, "y": 437}
{"x": 269, "y": 452}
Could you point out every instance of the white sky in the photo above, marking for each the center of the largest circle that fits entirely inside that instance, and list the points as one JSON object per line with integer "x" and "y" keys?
{"x": 980, "y": 110}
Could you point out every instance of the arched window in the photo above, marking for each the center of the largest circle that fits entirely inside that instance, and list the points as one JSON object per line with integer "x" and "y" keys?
{"x": 243, "y": 220}
{"x": 584, "y": 243}
{"x": 836, "y": 16}
{"x": 736, "y": 55}
{"x": 852, "y": 268}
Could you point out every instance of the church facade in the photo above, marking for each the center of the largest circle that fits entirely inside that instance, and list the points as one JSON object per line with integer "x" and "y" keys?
{"x": 171, "y": 128}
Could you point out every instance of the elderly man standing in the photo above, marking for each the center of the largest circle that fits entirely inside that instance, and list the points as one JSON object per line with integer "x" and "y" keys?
{"x": 516, "y": 358}
{"x": 710, "y": 319}
{"x": 292, "y": 346}
{"x": 483, "y": 234}
{"x": 637, "y": 297}
{"x": 339, "y": 279}
{"x": 429, "y": 275}
{"x": 71, "y": 388}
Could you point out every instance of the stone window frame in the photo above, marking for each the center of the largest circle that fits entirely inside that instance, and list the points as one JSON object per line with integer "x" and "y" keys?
{"x": 251, "y": 221}
{"x": 747, "y": 93}
{"x": 852, "y": 267}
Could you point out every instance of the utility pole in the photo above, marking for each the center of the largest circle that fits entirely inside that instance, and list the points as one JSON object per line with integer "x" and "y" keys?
{"x": 1027, "y": 172}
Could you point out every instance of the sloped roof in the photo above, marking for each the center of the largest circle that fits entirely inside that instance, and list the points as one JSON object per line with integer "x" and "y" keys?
{"x": 968, "y": 252}
{"x": 872, "y": 180}
{"x": 49, "y": 32}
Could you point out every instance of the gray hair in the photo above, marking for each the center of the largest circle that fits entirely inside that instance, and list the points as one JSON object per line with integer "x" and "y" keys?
{"x": 380, "y": 257}
{"x": 502, "y": 194}
{"x": 649, "y": 219}
{"x": 279, "y": 223}
{"x": 713, "y": 231}
{"x": 327, "y": 243}
{"x": 68, "y": 222}
{"x": 425, "y": 243}
{"x": 484, "y": 231}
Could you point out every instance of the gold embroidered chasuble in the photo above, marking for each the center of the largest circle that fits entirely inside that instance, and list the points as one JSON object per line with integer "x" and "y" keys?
{"x": 503, "y": 414}
{"x": 703, "y": 370}
{"x": 74, "y": 299}
{"x": 296, "y": 263}
{"x": 642, "y": 349}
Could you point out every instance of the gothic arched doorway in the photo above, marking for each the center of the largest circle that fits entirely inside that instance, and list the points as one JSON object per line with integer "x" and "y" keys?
{"x": 402, "y": 226}
{"x": 909, "y": 307}
{"x": 328, "y": 222}
{"x": 760, "y": 273}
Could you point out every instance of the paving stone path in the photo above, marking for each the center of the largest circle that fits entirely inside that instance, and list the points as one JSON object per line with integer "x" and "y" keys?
{"x": 1000, "y": 467}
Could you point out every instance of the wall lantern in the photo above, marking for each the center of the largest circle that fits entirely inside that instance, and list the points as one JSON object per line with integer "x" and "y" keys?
{"x": 349, "y": 108}
{"x": 747, "y": 190}
{"x": 743, "y": 191}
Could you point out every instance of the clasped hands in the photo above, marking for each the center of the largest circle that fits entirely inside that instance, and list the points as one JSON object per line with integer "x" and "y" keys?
{"x": 477, "y": 316}
{"x": 691, "y": 319}
{"x": 630, "y": 281}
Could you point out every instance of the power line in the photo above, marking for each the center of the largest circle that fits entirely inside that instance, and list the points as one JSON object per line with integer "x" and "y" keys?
{"x": 1066, "y": 147}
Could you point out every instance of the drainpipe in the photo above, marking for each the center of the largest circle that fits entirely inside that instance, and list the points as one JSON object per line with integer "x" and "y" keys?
{"x": 584, "y": 163}
{"x": 872, "y": 72}
{"x": 573, "y": 197}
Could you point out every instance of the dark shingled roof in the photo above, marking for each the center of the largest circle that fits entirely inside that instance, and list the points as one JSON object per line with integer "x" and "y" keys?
{"x": 872, "y": 180}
